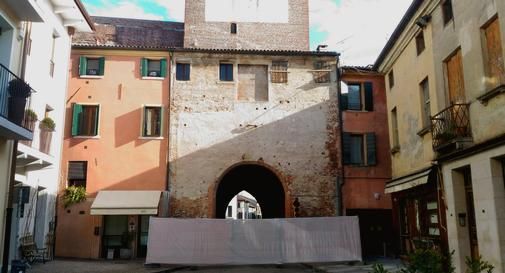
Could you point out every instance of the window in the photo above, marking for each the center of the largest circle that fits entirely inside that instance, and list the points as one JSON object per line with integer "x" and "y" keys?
{"x": 230, "y": 211}
{"x": 359, "y": 149}
{"x": 420, "y": 42}
{"x": 425, "y": 103}
{"x": 226, "y": 72}
{"x": 252, "y": 83}
{"x": 279, "y": 72}
{"x": 85, "y": 120}
{"x": 359, "y": 97}
{"x": 321, "y": 72}
{"x": 391, "y": 79}
{"x": 455, "y": 78}
{"x": 89, "y": 66}
{"x": 493, "y": 53}
{"x": 156, "y": 68}
{"x": 447, "y": 11}
{"x": 233, "y": 28}
{"x": 182, "y": 72}
{"x": 77, "y": 173}
{"x": 394, "y": 127}
{"x": 151, "y": 126}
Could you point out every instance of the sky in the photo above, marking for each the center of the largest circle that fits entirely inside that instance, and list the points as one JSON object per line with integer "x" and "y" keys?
{"x": 358, "y": 29}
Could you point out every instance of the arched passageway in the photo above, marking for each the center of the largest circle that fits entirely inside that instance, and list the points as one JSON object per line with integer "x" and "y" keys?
{"x": 259, "y": 181}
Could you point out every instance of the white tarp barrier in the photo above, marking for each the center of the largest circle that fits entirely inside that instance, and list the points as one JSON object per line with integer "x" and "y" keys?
{"x": 267, "y": 241}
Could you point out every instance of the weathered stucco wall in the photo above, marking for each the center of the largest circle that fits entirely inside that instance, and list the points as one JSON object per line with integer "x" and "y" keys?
{"x": 295, "y": 133}
{"x": 253, "y": 32}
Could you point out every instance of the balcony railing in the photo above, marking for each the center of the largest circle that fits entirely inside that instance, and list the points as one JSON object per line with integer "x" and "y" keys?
{"x": 451, "y": 125}
{"x": 14, "y": 97}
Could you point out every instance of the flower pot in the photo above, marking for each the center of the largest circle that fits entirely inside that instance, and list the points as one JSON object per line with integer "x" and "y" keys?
{"x": 16, "y": 111}
{"x": 45, "y": 140}
{"x": 29, "y": 124}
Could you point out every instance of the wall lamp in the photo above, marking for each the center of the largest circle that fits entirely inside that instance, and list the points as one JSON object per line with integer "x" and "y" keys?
{"x": 423, "y": 21}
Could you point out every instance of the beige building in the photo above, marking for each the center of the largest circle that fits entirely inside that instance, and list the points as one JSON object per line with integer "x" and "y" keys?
{"x": 449, "y": 82}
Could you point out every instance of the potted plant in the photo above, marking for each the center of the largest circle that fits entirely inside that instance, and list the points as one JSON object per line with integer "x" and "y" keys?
{"x": 29, "y": 123}
{"x": 19, "y": 91}
{"x": 74, "y": 195}
{"x": 46, "y": 126}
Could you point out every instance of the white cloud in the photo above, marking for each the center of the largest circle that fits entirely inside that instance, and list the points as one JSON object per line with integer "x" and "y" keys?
{"x": 358, "y": 29}
{"x": 175, "y": 8}
{"x": 123, "y": 9}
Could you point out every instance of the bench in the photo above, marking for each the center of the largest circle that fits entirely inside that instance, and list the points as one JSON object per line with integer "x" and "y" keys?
{"x": 30, "y": 251}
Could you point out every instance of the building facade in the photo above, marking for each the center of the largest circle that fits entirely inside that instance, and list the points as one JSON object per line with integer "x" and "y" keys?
{"x": 32, "y": 34}
{"x": 366, "y": 158}
{"x": 116, "y": 137}
{"x": 457, "y": 47}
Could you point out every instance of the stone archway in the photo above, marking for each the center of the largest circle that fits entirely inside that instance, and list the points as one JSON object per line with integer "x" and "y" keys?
{"x": 258, "y": 180}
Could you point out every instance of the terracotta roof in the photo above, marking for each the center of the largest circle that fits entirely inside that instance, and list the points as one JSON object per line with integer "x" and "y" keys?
{"x": 260, "y": 52}
{"x": 131, "y": 33}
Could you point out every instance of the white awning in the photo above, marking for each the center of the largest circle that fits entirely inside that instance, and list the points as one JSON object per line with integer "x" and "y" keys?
{"x": 408, "y": 182}
{"x": 126, "y": 203}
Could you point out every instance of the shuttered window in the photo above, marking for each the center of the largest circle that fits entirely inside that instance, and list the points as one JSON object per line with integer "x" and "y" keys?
{"x": 394, "y": 128}
{"x": 359, "y": 97}
{"x": 156, "y": 68}
{"x": 90, "y": 66}
{"x": 420, "y": 45}
{"x": 182, "y": 71}
{"x": 455, "y": 78}
{"x": 359, "y": 149}
{"x": 493, "y": 53}
{"x": 77, "y": 173}
{"x": 425, "y": 103}
{"x": 447, "y": 11}
{"x": 226, "y": 72}
{"x": 85, "y": 120}
{"x": 279, "y": 72}
{"x": 152, "y": 121}
{"x": 321, "y": 72}
{"x": 391, "y": 79}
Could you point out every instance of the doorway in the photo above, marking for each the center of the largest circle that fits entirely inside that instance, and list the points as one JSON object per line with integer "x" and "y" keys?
{"x": 257, "y": 180}
{"x": 115, "y": 236}
{"x": 376, "y": 231}
{"x": 470, "y": 210}
{"x": 142, "y": 236}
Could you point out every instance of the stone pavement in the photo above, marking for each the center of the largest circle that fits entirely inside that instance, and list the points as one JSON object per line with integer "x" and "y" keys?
{"x": 389, "y": 264}
{"x": 93, "y": 266}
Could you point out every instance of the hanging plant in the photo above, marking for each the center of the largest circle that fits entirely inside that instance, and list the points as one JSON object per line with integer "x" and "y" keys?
{"x": 74, "y": 195}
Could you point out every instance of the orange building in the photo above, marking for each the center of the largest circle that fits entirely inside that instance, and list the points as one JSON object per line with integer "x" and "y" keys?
{"x": 366, "y": 159}
{"x": 116, "y": 137}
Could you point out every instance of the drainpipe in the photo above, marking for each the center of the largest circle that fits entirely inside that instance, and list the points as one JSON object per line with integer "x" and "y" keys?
{"x": 12, "y": 181}
{"x": 340, "y": 179}
{"x": 170, "y": 81}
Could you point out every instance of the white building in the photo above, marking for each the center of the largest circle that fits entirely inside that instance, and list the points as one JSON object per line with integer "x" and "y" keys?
{"x": 243, "y": 206}
{"x": 35, "y": 46}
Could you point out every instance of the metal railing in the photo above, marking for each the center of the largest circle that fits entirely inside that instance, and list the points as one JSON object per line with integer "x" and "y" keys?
{"x": 13, "y": 91}
{"x": 450, "y": 125}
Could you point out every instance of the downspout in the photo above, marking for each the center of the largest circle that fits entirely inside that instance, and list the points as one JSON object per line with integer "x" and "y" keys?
{"x": 12, "y": 179}
{"x": 340, "y": 177}
{"x": 170, "y": 84}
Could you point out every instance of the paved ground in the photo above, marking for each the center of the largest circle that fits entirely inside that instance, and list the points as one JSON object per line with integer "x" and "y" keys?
{"x": 86, "y": 266}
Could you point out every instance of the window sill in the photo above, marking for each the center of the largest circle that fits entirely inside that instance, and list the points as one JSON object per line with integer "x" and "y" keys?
{"x": 395, "y": 150}
{"x": 86, "y": 137}
{"x": 90, "y": 77}
{"x": 424, "y": 131}
{"x": 153, "y": 78}
{"x": 359, "y": 165}
{"x": 226, "y": 82}
{"x": 151, "y": 138}
{"x": 491, "y": 94}
{"x": 357, "y": 111}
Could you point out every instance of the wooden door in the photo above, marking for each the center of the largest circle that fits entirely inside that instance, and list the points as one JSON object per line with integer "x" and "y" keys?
{"x": 470, "y": 210}
{"x": 455, "y": 78}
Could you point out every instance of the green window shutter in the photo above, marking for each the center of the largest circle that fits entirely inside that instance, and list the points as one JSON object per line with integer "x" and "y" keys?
{"x": 143, "y": 67}
{"x": 371, "y": 149}
{"x": 368, "y": 96}
{"x": 76, "y": 114}
{"x": 83, "y": 65}
{"x": 346, "y": 142}
{"x": 343, "y": 102}
{"x": 101, "y": 66}
{"x": 163, "y": 68}
{"x": 97, "y": 113}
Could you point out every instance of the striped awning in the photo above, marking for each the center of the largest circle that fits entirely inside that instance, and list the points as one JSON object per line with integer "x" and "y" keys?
{"x": 408, "y": 181}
